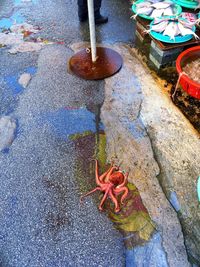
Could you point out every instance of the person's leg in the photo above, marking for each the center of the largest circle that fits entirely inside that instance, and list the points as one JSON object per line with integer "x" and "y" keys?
{"x": 99, "y": 19}
{"x": 97, "y": 6}
{"x": 82, "y": 10}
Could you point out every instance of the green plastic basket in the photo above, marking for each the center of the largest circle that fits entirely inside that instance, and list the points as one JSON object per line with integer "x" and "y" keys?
{"x": 187, "y": 3}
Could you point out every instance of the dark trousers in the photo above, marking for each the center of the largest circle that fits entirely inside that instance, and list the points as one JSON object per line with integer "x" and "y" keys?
{"x": 83, "y": 10}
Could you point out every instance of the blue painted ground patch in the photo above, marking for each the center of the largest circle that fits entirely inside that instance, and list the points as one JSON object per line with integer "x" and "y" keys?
{"x": 12, "y": 80}
{"x": 6, "y": 23}
{"x": 65, "y": 122}
{"x": 11, "y": 92}
{"x": 32, "y": 70}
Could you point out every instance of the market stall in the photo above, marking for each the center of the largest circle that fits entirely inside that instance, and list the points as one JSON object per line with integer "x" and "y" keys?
{"x": 166, "y": 28}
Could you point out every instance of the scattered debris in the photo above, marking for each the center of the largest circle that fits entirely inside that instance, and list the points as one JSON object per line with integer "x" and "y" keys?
{"x": 7, "y": 131}
{"x": 24, "y": 28}
{"x": 24, "y": 79}
{"x": 10, "y": 39}
{"x": 14, "y": 32}
{"x": 16, "y": 38}
{"x": 26, "y": 47}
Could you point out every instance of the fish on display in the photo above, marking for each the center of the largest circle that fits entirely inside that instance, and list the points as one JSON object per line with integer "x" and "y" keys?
{"x": 159, "y": 27}
{"x": 173, "y": 27}
{"x": 143, "y": 10}
{"x": 161, "y": 5}
{"x": 185, "y": 31}
{"x": 157, "y": 13}
{"x": 171, "y": 30}
{"x": 187, "y": 24}
{"x": 155, "y": 8}
{"x": 143, "y": 4}
{"x": 168, "y": 30}
{"x": 168, "y": 11}
{"x": 158, "y": 20}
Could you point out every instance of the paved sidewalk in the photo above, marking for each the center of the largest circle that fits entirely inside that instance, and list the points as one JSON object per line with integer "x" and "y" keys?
{"x": 41, "y": 220}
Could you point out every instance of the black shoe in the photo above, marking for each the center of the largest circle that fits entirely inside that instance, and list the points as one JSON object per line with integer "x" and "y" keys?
{"x": 83, "y": 18}
{"x": 101, "y": 19}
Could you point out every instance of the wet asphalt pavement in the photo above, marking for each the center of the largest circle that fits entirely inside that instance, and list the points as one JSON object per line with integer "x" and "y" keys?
{"x": 47, "y": 167}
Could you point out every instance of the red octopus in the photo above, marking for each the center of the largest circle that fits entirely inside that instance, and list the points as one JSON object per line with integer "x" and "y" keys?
{"x": 112, "y": 183}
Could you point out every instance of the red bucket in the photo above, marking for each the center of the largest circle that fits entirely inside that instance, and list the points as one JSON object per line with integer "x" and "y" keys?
{"x": 190, "y": 86}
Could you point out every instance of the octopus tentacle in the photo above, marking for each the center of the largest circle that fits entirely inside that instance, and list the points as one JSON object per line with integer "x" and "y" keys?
{"x": 104, "y": 198}
{"x": 117, "y": 208}
{"x": 89, "y": 193}
{"x": 102, "y": 177}
{"x": 97, "y": 178}
{"x": 97, "y": 173}
{"x": 112, "y": 169}
{"x": 122, "y": 189}
{"x": 124, "y": 196}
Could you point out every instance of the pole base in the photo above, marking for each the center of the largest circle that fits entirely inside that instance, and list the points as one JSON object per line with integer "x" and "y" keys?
{"x": 108, "y": 63}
